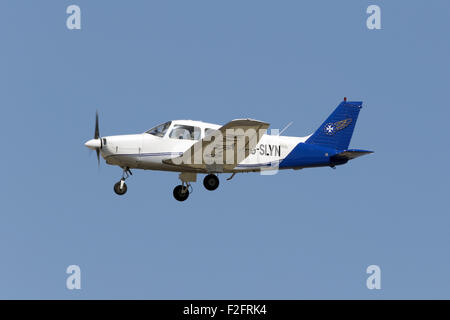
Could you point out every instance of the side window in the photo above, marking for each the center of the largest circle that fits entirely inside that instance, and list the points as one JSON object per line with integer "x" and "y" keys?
{"x": 185, "y": 132}
{"x": 209, "y": 131}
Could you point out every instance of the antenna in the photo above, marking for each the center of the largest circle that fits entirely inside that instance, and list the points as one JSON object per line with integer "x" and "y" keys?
{"x": 287, "y": 126}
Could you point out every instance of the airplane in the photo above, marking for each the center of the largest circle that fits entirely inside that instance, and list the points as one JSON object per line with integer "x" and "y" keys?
{"x": 195, "y": 147}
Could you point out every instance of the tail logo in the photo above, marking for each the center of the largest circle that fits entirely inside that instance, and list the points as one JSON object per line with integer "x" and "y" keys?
{"x": 331, "y": 128}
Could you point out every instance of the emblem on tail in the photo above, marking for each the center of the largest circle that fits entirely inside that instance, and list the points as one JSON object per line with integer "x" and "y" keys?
{"x": 332, "y": 128}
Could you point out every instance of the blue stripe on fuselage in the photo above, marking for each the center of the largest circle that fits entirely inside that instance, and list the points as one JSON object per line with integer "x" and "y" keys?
{"x": 308, "y": 155}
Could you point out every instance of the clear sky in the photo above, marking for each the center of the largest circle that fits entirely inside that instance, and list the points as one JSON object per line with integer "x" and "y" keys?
{"x": 298, "y": 234}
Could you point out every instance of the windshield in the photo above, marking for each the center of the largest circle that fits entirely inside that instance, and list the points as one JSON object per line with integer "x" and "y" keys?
{"x": 160, "y": 130}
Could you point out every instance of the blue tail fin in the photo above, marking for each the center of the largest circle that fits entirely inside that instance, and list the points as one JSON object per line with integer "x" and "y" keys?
{"x": 337, "y": 130}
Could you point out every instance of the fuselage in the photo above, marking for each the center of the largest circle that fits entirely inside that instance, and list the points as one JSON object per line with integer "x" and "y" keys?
{"x": 241, "y": 145}
{"x": 148, "y": 150}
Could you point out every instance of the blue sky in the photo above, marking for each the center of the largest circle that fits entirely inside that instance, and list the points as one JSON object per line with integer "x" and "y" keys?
{"x": 296, "y": 235}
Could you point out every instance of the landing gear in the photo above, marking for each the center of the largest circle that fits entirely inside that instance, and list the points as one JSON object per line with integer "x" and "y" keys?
{"x": 211, "y": 182}
{"x": 120, "y": 187}
{"x": 181, "y": 192}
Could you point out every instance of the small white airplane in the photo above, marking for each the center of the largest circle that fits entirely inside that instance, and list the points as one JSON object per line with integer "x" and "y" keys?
{"x": 241, "y": 145}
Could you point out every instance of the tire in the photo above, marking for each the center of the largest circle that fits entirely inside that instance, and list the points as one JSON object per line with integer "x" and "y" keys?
{"x": 211, "y": 182}
{"x": 119, "y": 191}
{"x": 179, "y": 195}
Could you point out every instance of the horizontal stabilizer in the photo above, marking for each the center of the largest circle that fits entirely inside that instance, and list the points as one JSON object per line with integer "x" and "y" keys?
{"x": 352, "y": 154}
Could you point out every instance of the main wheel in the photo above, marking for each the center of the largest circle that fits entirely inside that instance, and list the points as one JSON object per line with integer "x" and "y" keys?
{"x": 180, "y": 193}
{"x": 211, "y": 182}
{"x": 118, "y": 190}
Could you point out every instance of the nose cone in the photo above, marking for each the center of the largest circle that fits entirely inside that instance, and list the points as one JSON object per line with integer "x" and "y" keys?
{"x": 93, "y": 144}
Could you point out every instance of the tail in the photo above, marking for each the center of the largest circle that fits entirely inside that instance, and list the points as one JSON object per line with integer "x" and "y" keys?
{"x": 337, "y": 130}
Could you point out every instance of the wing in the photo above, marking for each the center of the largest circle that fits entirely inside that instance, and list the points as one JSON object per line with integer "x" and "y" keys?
{"x": 224, "y": 148}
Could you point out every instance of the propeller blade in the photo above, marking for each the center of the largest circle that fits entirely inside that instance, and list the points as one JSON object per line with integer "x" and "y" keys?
{"x": 96, "y": 133}
{"x": 97, "y": 136}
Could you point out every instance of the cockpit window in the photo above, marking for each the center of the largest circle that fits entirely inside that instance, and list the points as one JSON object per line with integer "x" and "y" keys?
{"x": 185, "y": 132}
{"x": 160, "y": 130}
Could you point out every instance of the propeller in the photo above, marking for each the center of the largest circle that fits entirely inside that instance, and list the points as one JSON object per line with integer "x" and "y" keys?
{"x": 97, "y": 136}
{"x": 96, "y": 143}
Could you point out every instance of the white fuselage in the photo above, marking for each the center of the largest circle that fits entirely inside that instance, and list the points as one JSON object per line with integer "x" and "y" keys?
{"x": 147, "y": 151}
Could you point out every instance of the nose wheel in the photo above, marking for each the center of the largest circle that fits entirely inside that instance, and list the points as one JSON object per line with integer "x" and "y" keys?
{"x": 120, "y": 188}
